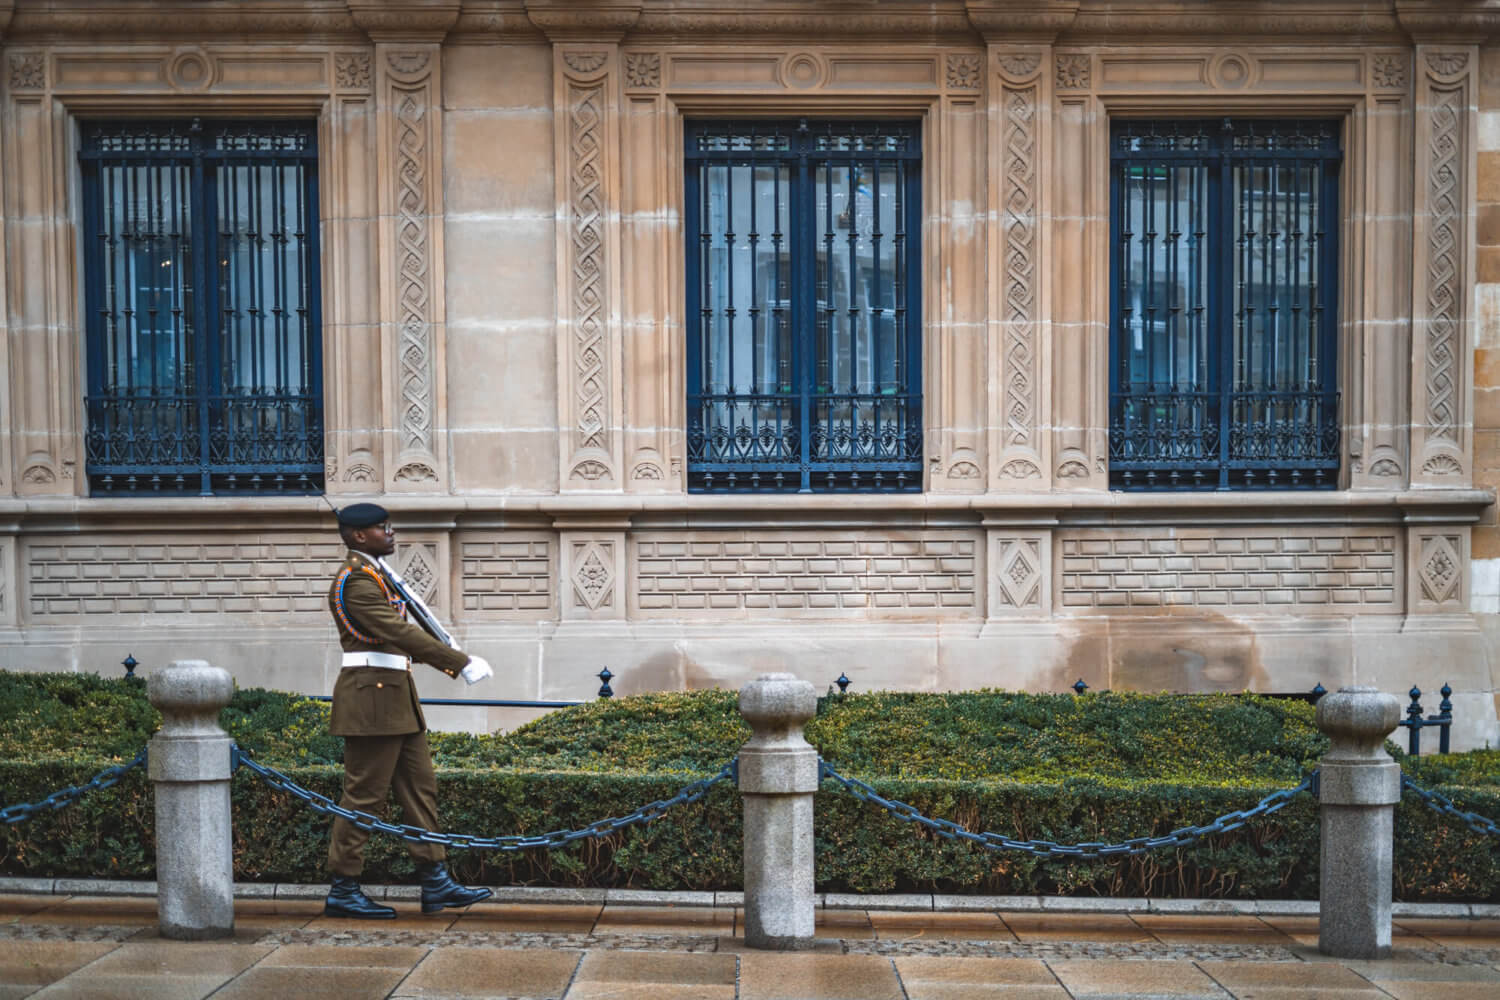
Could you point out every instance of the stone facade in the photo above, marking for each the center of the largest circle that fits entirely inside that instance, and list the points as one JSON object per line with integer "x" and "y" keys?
{"x": 501, "y": 187}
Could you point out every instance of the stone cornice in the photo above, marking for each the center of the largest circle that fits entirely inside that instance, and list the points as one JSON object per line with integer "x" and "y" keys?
{"x": 405, "y": 20}
{"x": 1297, "y": 22}
{"x": 1466, "y": 22}
{"x": 584, "y": 20}
{"x": 1020, "y": 21}
{"x": 143, "y": 20}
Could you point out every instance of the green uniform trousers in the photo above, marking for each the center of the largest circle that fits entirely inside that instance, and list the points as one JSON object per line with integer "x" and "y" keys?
{"x": 373, "y": 767}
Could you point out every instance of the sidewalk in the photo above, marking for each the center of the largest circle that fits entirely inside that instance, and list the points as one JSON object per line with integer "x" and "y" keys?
{"x": 94, "y": 946}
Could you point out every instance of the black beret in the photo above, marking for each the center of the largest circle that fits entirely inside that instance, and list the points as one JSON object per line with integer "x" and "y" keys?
{"x": 362, "y": 515}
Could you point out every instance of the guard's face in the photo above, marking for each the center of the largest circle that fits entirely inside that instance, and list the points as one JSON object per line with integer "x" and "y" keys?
{"x": 378, "y": 539}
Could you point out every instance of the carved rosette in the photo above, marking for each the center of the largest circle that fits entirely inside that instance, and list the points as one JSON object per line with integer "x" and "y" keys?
{"x": 643, "y": 70}
{"x": 351, "y": 70}
{"x": 28, "y": 71}
{"x": 1442, "y": 341}
{"x": 589, "y": 345}
{"x": 410, "y": 127}
{"x": 419, "y": 563}
{"x": 1020, "y": 101}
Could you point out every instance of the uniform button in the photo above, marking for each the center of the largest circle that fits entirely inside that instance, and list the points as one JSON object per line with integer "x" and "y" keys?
{"x": 379, "y": 685}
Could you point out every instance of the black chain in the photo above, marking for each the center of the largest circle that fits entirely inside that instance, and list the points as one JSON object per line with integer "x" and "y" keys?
{"x": 557, "y": 838}
{"x": 65, "y": 797}
{"x": 1444, "y": 806}
{"x": 1050, "y": 849}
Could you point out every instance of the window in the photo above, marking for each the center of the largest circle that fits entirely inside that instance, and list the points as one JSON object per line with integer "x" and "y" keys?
{"x": 204, "y": 361}
{"x": 1223, "y": 304}
{"x": 804, "y": 325}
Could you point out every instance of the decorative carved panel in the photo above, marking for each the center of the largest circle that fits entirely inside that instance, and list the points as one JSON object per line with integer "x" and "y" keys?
{"x": 411, "y": 153}
{"x": 745, "y": 574}
{"x": 1017, "y": 300}
{"x": 588, "y": 288}
{"x": 420, "y": 566}
{"x": 507, "y": 575}
{"x": 67, "y": 578}
{"x": 1326, "y": 571}
{"x": 592, "y": 575}
{"x": 1443, "y": 283}
{"x": 1020, "y": 574}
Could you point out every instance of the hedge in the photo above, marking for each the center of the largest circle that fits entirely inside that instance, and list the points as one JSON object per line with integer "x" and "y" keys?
{"x": 877, "y": 738}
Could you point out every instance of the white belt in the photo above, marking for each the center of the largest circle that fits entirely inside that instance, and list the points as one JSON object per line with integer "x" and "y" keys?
{"x": 390, "y": 661}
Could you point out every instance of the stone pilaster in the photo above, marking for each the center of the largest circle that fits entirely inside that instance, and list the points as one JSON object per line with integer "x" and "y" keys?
{"x": 1376, "y": 349}
{"x": 1443, "y": 269}
{"x": 42, "y": 369}
{"x": 1078, "y": 257}
{"x": 351, "y": 294}
{"x": 408, "y": 102}
{"x": 956, "y": 346}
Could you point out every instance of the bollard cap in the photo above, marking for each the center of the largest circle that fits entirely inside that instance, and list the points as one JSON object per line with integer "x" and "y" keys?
{"x": 776, "y": 700}
{"x": 1358, "y": 719}
{"x": 190, "y": 686}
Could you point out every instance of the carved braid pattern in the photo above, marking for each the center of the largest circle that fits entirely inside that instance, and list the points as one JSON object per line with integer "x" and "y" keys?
{"x": 1020, "y": 262}
{"x": 584, "y": 121}
{"x": 412, "y": 284}
{"x": 1443, "y": 259}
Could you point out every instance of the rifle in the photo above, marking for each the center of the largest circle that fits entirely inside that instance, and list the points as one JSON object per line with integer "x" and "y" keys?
{"x": 420, "y": 612}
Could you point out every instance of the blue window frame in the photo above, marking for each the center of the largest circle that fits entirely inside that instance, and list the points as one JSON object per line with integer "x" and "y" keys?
{"x": 1224, "y": 304}
{"x": 803, "y": 305}
{"x": 203, "y": 328}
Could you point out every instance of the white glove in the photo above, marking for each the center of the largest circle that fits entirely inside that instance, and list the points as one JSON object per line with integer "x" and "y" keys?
{"x": 477, "y": 670}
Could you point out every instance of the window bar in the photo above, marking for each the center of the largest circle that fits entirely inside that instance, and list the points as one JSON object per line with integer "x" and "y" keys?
{"x": 877, "y": 318}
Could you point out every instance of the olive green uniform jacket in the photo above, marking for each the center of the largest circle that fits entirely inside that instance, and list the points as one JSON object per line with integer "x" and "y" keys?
{"x": 371, "y": 617}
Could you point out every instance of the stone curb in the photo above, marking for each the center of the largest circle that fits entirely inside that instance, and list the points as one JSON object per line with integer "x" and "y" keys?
{"x": 908, "y": 902}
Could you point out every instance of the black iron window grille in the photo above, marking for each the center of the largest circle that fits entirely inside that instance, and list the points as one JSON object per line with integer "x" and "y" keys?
{"x": 204, "y": 356}
{"x": 1223, "y": 304}
{"x": 804, "y": 323}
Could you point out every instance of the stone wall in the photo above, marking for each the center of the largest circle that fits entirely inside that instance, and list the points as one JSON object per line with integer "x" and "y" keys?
{"x": 503, "y": 298}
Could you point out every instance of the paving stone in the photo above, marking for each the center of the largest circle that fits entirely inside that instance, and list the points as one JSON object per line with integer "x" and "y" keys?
{"x": 38, "y": 963}
{"x": 1300, "y": 975}
{"x": 484, "y": 972}
{"x": 1112, "y": 927}
{"x": 1438, "y": 990}
{"x": 326, "y": 956}
{"x": 179, "y": 958}
{"x": 1204, "y": 929}
{"x": 528, "y": 917}
{"x": 663, "y": 919}
{"x": 1124, "y": 978}
{"x": 795, "y": 976}
{"x": 85, "y": 986}
{"x": 647, "y": 974}
{"x": 286, "y": 982}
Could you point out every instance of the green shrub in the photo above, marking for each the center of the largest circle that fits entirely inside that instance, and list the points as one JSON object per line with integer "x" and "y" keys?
{"x": 1101, "y": 767}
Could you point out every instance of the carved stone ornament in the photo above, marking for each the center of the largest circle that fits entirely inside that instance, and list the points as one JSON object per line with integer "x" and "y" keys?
{"x": 1074, "y": 72}
{"x": 589, "y": 307}
{"x": 1440, "y": 571}
{"x": 1444, "y": 259}
{"x": 646, "y": 470}
{"x": 38, "y": 475}
{"x": 1020, "y": 260}
{"x": 1442, "y": 465}
{"x": 963, "y": 71}
{"x": 1385, "y": 468}
{"x": 1388, "y": 70}
{"x": 190, "y": 70}
{"x": 416, "y": 472}
{"x": 413, "y": 282}
{"x": 1447, "y": 63}
{"x": 419, "y": 568}
{"x": 1019, "y": 573}
{"x": 1073, "y": 470}
{"x": 643, "y": 70}
{"x": 585, "y": 62}
{"x": 351, "y": 70}
{"x": 360, "y": 472}
{"x": 593, "y": 573}
{"x": 409, "y": 63}
{"x": 28, "y": 71}
{"x": 1020, "y": 468}
{"x": 964, "y": 470}
{"x": 1020, "y": 67}
{"x": 590, "y": 471}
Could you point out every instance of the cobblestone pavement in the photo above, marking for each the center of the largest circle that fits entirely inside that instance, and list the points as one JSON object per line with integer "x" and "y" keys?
{"x": 97, "y": 947}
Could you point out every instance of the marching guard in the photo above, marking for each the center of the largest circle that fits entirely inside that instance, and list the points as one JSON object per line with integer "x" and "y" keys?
{"x": 375, "y": 709}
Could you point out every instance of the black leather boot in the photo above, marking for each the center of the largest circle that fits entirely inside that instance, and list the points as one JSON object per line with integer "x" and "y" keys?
{"x": 347, "y": 899}
{"x": 439, "y": 890}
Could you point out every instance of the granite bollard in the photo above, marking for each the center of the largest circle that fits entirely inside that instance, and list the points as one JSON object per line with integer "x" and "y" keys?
{"x": 1358, "y": 788}
{"x": 778, "y": 775}
{"x": 189, "y": 764}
